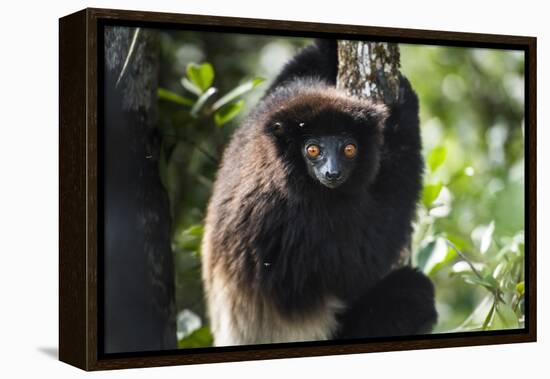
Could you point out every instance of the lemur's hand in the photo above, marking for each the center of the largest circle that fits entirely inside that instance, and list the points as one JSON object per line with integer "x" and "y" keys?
{"x": 401, "y": 304}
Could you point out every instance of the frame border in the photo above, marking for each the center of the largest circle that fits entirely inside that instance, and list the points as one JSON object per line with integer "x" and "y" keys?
{"x": 78, "y": 187}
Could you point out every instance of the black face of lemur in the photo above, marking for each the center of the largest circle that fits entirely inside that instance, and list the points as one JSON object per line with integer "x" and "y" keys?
{"x": 330, "y": 159}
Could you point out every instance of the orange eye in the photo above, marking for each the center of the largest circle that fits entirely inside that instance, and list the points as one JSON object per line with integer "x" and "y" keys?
{"x": 313, "y": 151}
{"x": 350, "y": 150}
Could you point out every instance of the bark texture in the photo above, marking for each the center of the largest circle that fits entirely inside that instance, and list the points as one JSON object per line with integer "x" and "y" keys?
{"x": 369, "y": 69}
{"x": 139, "y": 310}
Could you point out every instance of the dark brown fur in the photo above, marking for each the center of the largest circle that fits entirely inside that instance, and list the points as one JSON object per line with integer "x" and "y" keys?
{"x": 283, "y": 256}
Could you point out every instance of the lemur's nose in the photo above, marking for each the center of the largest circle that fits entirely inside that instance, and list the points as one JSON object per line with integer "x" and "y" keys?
{"x": 333, "y": 175}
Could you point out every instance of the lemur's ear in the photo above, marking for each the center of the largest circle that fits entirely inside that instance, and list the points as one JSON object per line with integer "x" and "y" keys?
{"x": 373, "y": 113}
{"x": 276, "y": 128}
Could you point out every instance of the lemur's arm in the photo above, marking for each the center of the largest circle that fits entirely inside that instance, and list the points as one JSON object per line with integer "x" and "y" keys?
{"x": 318, "y": 60}
{"x": 399, "y": 305}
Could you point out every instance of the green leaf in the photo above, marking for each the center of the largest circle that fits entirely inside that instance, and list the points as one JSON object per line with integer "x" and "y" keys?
{"x": 487, "y": 238}
{"x": 167, "y": 95}
{"x": 433, "y": 256}
{"x": 424, "y": 255}
{"x": 486, "y": 281}
{"x": 201, "y": 337}
{"x": 437, "y": 157}
{"x": 449, "y": 256}
{"x": 506, "y": 316}
{"x": 489, "y": 317}
{"x": 236, "y": 92}
{"x": 190, "y": 238}
{"x": 520, "y": 287}
{"x": 481, "y": 315}
{"x": 227, "y": 113}
{"x": 202, "y": 100}
{"x": 482, "y": 236}
{"x": 460, "y": 243}
{"x": 195, "y": 230}
{"x": 186, "y": 83}
{"x": 430, "y": 193}
{"x": 201, "y": 75}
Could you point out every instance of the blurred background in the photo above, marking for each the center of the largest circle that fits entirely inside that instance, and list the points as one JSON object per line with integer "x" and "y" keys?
{"x": 469, "y": 231}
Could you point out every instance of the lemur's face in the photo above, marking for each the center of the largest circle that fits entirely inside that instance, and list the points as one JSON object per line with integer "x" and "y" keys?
{"x": 330, "y": 159}
{"x": 329, "y": 137}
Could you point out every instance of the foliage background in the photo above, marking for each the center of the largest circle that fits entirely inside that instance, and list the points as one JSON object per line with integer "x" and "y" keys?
{"x": 470, "y": 226}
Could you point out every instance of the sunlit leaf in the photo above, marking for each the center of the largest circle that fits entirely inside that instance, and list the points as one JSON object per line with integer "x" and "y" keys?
{"x": 460, "y": 267}
{"x": 506, "y": 316}
{"x": 477, "y": 317}
{"x": 188, "y": 85}
{"x": 167, "y": 95}
{"x": 195, "y": 230}
{"x": 236, "y": 92}
{"x": 486, "y": 281}
{"x": 460, "y": 243}
{"x": 449, "y": 256}
{"x": 190, "y": 238}
{"x": 228, "y": 113}
{"x": 489, "y": 318}
{"x": 201, "y": 75}
{"x": 463, "y": 266}
{"x": 202, "y": 100}
{"x": 187, "y": 322}
{"x": 442, "y": 205}
{"x": 201, "y": 337}
{"x": 520, "y": 288}
{"x": 433, "y": 256}
{"x": 424, "y": 255}
{"x": 437, "y": 157}
{"x": 487, "y": 238}
{"x": 430, "y": 193}
{"x": 483, "y": 236}
{"x": 469, "y": 171}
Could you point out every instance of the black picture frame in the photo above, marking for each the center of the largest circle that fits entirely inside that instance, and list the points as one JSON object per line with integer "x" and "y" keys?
{"x": 80, "y": 74}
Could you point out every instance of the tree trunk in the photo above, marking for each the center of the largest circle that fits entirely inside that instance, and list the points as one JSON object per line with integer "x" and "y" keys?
{"x": 139, "y": 311}
{"x": 371, "y": 70}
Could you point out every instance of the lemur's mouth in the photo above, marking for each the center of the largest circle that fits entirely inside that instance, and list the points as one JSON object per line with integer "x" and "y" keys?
{"x": 332, "y": 183}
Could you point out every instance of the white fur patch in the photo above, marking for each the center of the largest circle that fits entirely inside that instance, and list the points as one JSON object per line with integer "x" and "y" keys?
{"x": 238, "y": 319}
